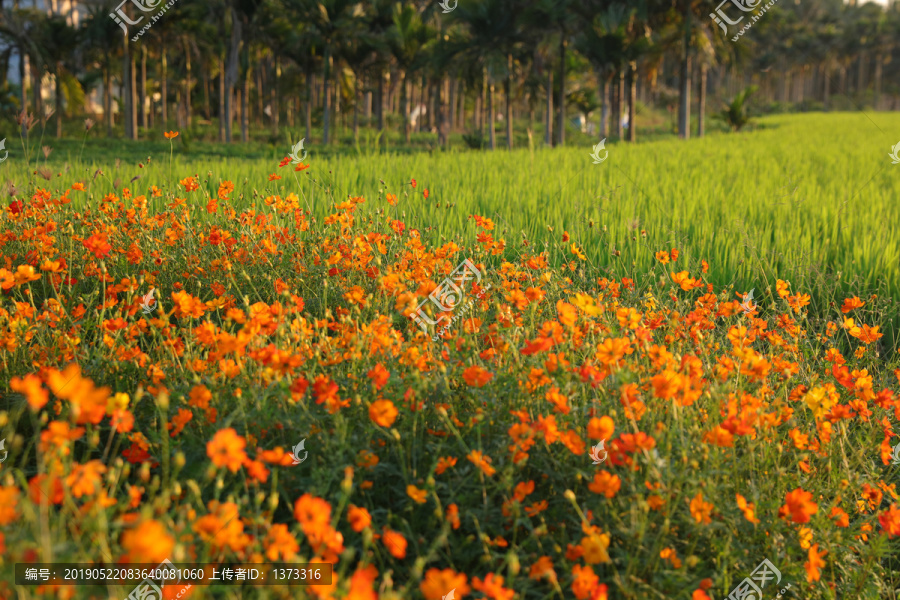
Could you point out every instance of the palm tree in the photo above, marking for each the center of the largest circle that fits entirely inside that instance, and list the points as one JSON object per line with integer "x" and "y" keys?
{"x": 333, "y": 20}
{"x": 603, "y": 44}
{"x": 406, "y": 39}
{"x": 58, "y": 42}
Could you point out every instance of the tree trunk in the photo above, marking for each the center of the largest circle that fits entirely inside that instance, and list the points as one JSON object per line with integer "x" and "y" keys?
{"x": 509, "y": 114}
{"x": 684, "y": 104}
{"x": 231, "y": 71}
{"x": 36, "y": 85}
{"x": 404, "y": 109}
{"x": 826, "y": 94}
{"x": 620, "y": 103}
{"x": 461, "y": 106}
{"x": 107, "y": 97}
{"x": 58, "y": 99}
{"x": 477, "y": 117}
{"x": 380, "y": 101}
{"x": 207, "y": 111}
{"x": 356, "y": 101}
{"x": 879, "y": 63}
{"x": 604, "y": 111}
{"x": 24, "y": 95}
{"x": 326, "y": 76}
{"x": 632, "y": 101}
{"x": 164, "y": 88}
{"x": 260, "y": 86}
{"x": 223, "y": 112}
{"x": 491, "y": 116}
{"x": 860, "y": 74}
{"x": 142, "y": 98}
{"x": 273, "y": 96}
{"x": 309, "y": 100}
{"x": 126, "y": 96}
{"x": 701, "y": 107}
{"x": 187, "y": 84}
{"x": 548, "y": 120}
{"x": 245, "y": 106}
{"x": 563, "y": 42}
{"x": 451, "y": 104}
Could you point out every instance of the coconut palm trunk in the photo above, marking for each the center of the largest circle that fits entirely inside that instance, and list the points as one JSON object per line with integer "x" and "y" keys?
{"x": 509, "y": 112}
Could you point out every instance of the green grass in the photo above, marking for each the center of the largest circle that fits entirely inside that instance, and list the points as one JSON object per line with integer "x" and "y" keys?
{"x": 809, "y": 198}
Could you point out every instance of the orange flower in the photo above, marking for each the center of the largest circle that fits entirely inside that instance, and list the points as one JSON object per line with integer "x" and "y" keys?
{"x": 585, "y": 581}
{"x": 280, "y": 544}
{"x": 605, "y": 483}
{"x": 748, "y": 508}
{"x": 594, "y": 548}
{"x": 600, "y": 429}
{"x": 359, "y": 518}
{"x": 418, "y": 496}
{"x": 444, "y": 463}
{"x": 851, "y": 303}
{"x": 313, "y": 514}
{"x": 670, "y": 555}
{"x": 149, "y": 542}
{"x": 476, "y": 376}
{"x": 226, "y": 449}
{"x": 438, "y": 583}
{"x": 453, "y": 515}
{"x": 9, "y": 499}
{"x": 361, "y": 584}
{"x": 482, "y": 462}
{"x": 492, "y": 587}
{"x": 841, "y": 518}
{"x": 383, "y": 413}
{"x": 814, "y": 564}
{"x": 86, "y": 479}
{"x": 88, "y": 402}
{"x": 701, "y": 510}
{"x": 541, "y": 569}
{"x": 663, "y": 257}
{"x": 31, "y": 387}
{"x": 395, "y": 543}
{"x": 799, "y": 505}
{"x": 171, "y": 134}
{"x": 890, "y": 521}
{"x": 379, "y": 376}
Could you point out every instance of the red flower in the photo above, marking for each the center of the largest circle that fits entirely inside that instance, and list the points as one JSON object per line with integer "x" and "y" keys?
{"x": 413, "y": 182}
{"x": 425, "y": 193}
{"x": 284, "y": 161}
{"x": 16, "y": 206}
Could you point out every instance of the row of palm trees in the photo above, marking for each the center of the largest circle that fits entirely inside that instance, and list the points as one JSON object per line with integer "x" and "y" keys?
{"x": 265, "y": 60}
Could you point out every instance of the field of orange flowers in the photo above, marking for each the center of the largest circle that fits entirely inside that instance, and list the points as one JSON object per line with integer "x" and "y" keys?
{"x": 147, "y": 426}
